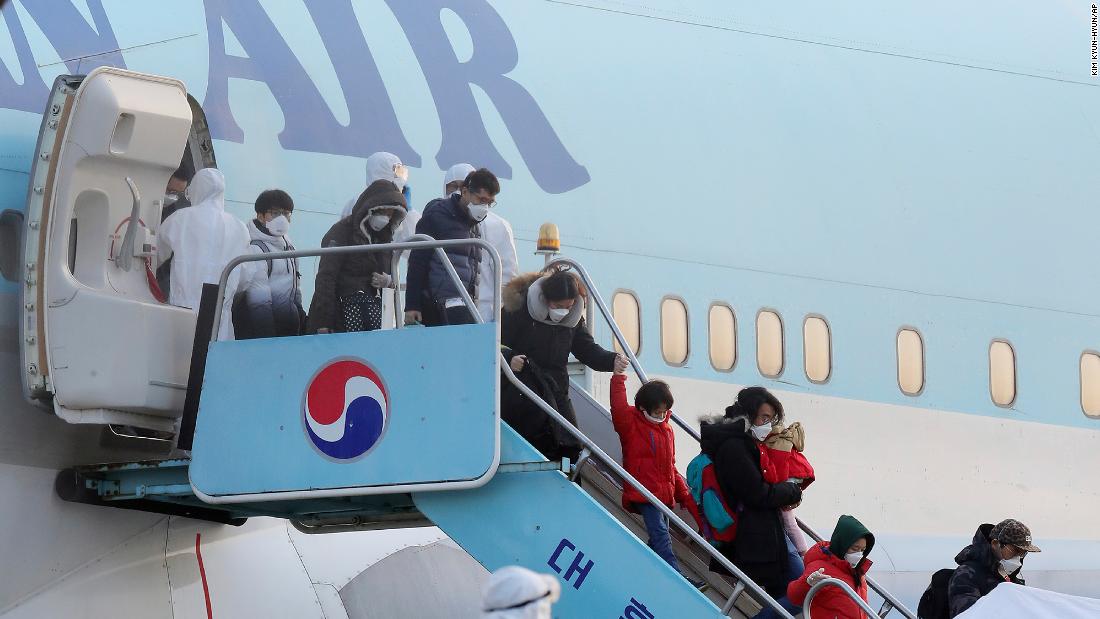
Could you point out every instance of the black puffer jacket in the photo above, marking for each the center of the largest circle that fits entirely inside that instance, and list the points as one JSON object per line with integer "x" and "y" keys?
{"x": 428, "y": 282}
{"x": 978, "y": 573}
{"x": 548, "y": 345}
{"x": 759, "y": 549}
{"x": 341, "y": 275}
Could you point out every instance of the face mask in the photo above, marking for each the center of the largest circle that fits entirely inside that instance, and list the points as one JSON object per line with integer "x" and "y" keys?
{"x": 377, "y": 222}
{"x": 762, "y": 432}
{"x": 557, "y": 315}
{"x": 660, "y": 419}
{"x": 279, "y": 226}
{"x": 478, "y": 211}
{"x": 171, "y": 198}
{"x": 853, "y": 558}
{"x": 1011, "y": 565}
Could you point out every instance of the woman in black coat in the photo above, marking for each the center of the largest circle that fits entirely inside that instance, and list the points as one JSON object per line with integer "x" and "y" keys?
{"x": 732, "y": 443}
{"x": 542, "y": 323}
{"x": 344, "y": 279}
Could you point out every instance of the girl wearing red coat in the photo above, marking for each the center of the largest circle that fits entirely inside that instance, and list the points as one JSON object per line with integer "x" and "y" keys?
{"x": 649, "y": 455}
{"x": 843, "y": 557}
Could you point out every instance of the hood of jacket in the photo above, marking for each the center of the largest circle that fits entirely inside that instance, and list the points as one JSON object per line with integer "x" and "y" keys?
{"x": 526, "y": 290}
{"x": 207, "y": 188}
{"x": 979, "y": 551}
{"x": 713, "y": 431}
{"x": 847, "y": 531}
{"x": 789, "y": 438}
{"x": 379, "y": 193}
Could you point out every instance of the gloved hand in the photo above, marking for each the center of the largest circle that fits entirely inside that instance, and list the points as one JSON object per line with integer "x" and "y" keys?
{"x": 816, "y": 577}
{"x": 381, "y": 280}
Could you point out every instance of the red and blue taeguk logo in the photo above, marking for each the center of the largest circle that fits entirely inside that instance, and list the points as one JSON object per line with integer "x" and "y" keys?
{"x": 345, "y": 409}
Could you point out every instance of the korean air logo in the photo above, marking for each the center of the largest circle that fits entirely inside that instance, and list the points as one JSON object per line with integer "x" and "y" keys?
{"x": 345, "y": 409}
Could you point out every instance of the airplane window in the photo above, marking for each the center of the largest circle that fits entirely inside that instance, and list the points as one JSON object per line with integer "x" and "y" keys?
{"x": 769, "y": 343}
{"x": 11, "y": 224}
{"x": 910, "y": 362}
{"x": 674, "y": 331}
{"x": 628, "y": 315}
{"x": 817, "y": 349}
{"x": 1002, "y": 373}
{"x": 723, "y": 337}
{"x": 1090, "y": 384}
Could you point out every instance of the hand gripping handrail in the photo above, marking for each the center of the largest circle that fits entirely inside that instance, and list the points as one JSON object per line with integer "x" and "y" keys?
{"x": 843, "y": 586}
{"x": 891, "y": 602}
{"x": 419, "y": 241}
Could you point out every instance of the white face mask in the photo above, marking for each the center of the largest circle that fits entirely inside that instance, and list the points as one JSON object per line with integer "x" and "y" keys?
{"x": 557, "y": 315}
{"x": 853, "y": 558}
{"x": 377, "y": 222}
{"x": 478, "y": 211}
{"x": 762, "y": 432}
{"x": 1011, "y": 565}
{"x": 279, "y": 226}
{"x": 660, "y": 419}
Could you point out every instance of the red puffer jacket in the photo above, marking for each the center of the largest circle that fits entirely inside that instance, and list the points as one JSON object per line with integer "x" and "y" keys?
{"x": 649, "y": 453}
{"x": 830, "y": 602}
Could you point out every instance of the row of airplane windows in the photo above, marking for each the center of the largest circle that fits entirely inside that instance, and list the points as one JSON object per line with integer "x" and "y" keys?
{"x": 817, "y": 348}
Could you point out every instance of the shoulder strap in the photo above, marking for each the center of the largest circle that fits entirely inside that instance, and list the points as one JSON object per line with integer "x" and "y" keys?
{"x": 265, "y": 249}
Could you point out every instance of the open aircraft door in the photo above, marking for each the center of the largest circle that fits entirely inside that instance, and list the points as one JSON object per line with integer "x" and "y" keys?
{"x": 99, "y": 346}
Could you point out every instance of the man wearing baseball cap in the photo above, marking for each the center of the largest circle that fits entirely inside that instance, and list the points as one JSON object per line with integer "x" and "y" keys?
{"x": 996, "y": 556}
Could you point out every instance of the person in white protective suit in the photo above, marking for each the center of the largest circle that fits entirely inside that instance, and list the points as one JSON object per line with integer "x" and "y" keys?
{"x": 515, "y": 592}
{"x": 495, "y": 230}
{"x": 201, "y": 240}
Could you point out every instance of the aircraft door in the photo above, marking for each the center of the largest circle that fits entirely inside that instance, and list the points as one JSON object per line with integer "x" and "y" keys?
{"x": 98, "y": 342}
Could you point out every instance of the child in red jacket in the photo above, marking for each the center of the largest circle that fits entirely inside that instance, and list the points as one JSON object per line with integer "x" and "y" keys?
{"x": 843, "y": 557}
{"x": 649, "y": 455}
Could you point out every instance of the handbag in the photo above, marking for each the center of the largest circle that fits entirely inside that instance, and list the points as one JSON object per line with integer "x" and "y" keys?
{"x": 361, "y": 311}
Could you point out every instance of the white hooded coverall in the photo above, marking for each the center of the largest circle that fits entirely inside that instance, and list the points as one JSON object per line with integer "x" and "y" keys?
{"x": 201, "y": 240}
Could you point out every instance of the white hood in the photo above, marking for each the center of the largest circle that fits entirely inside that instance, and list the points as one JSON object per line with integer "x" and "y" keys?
{"x": 380, "y": 168}
{"x": 457, "y": 172}
{"x": 510, "y": 587}
{"x": 207, "y": 188}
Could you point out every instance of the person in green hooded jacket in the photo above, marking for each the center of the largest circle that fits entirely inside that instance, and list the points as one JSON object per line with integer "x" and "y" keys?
{"x": 843, "y": 557}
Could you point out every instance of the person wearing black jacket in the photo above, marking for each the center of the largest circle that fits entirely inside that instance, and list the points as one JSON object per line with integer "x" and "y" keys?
{"x": 996, "y": 556}
{"x": 431, "y": 297}
{"x": 733, "y": 444}
{"x": 542, "y": 323}
{"x": 343, "y": 278}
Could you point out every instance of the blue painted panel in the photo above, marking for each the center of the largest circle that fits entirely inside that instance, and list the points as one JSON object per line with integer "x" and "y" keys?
{"x": 347, "y": 411}
{"x": 543, "y": 522}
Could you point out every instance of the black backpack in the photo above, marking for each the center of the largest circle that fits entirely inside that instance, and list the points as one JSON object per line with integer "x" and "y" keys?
{"x": 933, "y": 604}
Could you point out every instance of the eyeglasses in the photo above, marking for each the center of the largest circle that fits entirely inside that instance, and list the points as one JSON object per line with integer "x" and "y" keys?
{"x": 480, "y": 199}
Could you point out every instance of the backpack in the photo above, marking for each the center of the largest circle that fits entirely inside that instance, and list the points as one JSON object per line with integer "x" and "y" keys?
{"x": 717, "y": 522}
{"x": 933, "y": 604}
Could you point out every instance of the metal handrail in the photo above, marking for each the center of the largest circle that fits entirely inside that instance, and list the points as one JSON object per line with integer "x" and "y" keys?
{"x": 843, "y": 586}
{"x": 421, "y": 241}
{"x": 609, "y": 318}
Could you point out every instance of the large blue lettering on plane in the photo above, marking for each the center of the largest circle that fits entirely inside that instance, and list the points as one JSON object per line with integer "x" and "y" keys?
{"x": 310, "y": 124}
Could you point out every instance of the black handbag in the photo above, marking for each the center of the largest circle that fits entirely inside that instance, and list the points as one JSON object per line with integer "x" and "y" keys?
{"x": 361, "y": 311}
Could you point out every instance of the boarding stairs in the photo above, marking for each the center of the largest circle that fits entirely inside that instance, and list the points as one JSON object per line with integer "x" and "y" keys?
{"x": 430, "y": 449}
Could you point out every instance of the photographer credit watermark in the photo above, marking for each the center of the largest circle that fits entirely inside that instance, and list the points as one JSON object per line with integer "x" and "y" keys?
{"x": 1095, "y": 59}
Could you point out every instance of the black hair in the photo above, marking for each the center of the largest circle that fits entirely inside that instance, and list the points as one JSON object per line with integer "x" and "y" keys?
{"x": 651, "y": 394}
{"x": 749, "y": 401}
{"x": 184, "y": 173}
{"x": 561, "y": 284}
{"x": 274, "y": 199}
{"x": 482, "y": 179}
